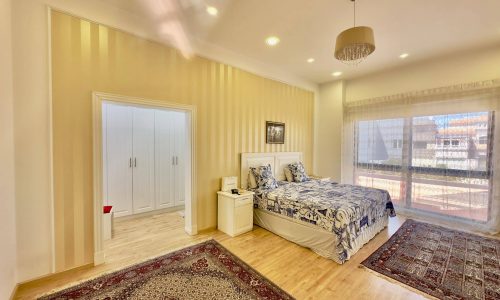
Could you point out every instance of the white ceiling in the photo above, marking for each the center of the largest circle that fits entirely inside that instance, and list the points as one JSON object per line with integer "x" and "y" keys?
{"x": 307, "y": 28}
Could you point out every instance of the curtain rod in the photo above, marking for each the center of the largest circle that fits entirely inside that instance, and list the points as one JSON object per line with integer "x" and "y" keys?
{"x": 466, "y": 88}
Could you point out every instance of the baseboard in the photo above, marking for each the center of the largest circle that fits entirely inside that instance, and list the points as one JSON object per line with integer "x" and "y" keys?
{"x": 191, "y": 230}
{"x": 14, "y": 291}
{"x": 40, "y": 280}
{"x": 99, "y": 258}
{"x": 151, "y": 213}
{"x": 208, "y": 229}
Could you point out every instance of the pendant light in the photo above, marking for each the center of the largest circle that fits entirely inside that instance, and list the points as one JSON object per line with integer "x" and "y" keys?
{"x": 354, "y": 44}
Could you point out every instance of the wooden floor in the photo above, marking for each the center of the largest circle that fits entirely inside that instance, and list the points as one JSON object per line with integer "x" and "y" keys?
{"x": 299, "y": 271}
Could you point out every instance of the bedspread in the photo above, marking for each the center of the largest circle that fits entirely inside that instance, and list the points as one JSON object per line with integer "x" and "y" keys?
{"x": 342, "y": 209}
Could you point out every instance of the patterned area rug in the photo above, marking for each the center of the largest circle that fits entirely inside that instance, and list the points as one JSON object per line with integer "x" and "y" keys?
{"x": 444, "y": 263}
{"x": 203, "y": 271}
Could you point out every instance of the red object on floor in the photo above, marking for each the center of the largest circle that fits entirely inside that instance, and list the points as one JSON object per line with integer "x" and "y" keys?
{"x": 107, "y": 209}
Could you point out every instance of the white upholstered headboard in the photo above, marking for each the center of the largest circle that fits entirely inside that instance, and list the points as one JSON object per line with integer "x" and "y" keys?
{"x": 277, "y": 160}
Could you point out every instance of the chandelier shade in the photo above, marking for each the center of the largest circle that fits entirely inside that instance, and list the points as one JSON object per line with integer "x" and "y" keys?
{"x": 354, "y": 45}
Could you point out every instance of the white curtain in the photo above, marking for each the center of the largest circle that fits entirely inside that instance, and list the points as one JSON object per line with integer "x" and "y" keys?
{"x": 437, "y": 151}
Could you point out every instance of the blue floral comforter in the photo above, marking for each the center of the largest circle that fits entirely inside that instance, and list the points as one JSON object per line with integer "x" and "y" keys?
{"x": 343, "y": 209}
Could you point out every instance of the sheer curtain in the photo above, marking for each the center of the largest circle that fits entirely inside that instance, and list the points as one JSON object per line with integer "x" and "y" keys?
{"x": 437, "y": 151}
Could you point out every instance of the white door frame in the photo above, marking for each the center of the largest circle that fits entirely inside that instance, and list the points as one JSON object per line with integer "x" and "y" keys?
{"x": 191, "y": 224}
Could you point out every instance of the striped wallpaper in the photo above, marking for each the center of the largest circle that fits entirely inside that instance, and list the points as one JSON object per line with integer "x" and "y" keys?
{"x": 232, "y": 107}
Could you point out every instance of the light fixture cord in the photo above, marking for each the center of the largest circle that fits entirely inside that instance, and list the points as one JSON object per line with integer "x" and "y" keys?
{"x": 354, "y": 12}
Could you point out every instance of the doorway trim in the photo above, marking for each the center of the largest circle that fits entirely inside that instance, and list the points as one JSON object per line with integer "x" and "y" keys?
{"x": 191, "y": 223}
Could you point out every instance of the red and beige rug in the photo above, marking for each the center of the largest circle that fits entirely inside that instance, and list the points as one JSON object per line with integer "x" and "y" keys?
{"x": 203, "y": 271}
{"x": 444, "y": 263}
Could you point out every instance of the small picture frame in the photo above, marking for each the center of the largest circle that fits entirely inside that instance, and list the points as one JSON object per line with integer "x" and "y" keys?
{"x": 229, "y": 183}
{"x": 275, "y": 132}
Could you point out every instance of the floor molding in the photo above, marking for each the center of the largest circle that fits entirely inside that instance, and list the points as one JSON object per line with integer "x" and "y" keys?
{"x": 208, "y": 229}
{"x": 49, "y": 277}
{"x": 150, "y": 213}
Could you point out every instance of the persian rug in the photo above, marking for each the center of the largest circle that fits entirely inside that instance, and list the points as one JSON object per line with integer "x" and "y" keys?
{"x": 444, "y": 263}
{"x": 202, "y": 271}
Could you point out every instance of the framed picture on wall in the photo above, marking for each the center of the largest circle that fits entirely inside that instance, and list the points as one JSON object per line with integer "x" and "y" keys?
{"x": 275, "y": 132}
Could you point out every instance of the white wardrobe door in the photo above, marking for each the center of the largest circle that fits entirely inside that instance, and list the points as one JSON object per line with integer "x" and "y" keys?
{"x": 180, "y": 153}
{"x": 118, "y": 159}
{"x": 164, "y": 159}
{"x": 143, "y": 159}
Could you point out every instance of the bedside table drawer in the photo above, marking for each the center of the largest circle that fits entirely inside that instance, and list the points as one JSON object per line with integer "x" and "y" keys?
{"x": 235, "y": 212}
{"x": 243, "y": 201}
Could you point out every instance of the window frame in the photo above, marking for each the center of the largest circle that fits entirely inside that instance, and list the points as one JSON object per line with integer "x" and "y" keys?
{"x": 406, "y": 165}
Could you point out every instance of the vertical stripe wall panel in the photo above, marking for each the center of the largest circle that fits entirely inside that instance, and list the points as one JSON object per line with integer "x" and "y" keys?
{"x": 232, "y": 107}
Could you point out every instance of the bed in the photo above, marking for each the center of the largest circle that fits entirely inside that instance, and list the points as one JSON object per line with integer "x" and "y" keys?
{"x": 332, "y": 219}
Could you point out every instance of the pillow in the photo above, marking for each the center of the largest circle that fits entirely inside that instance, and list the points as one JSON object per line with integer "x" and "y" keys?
{"x": 298, "y": 172}
{"x": 252, "y": 183}
{"x": 264, "y": 177}
{"x": 288, "y": 174}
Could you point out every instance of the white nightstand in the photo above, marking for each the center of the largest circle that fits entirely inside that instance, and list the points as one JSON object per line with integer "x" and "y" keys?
{"x": 235, "y": 214}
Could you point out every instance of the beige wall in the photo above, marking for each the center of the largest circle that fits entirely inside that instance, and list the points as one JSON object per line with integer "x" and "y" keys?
{"x": 478, "y": 65}
{"x": 32, "y": 139}
{"x": 32, "y": 115}
{"x": 328, "y": 120}
{"x": 8, "y": 268}
{"x": 232, "y": 107}
{"x": 459, "y": 68}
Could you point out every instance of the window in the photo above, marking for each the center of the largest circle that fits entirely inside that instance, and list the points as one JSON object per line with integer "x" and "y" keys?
{"x": 440, "y": 166}
{"x": 379, "y": 162}
{"x": 420, "y": 145}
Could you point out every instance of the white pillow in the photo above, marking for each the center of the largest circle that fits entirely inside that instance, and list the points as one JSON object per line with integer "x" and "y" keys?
{"x": 264, "y": 177}
{"x": 252, "y": 183}
{"x": 298, "y": 172}
{"x": 288, "y": 174}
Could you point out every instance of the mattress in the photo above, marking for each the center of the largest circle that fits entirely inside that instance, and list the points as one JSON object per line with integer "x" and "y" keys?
{"x": 346, "y": 211}
{"x": 318, "y": 240}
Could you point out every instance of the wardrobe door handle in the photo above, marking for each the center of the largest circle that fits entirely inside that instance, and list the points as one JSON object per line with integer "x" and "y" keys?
{"x": 177, "y": 160}
{"x": 135, "y": 161}
{"x": 130, "y": 162}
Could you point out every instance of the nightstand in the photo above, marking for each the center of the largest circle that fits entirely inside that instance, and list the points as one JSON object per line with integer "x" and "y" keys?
{"x": 235, "y": 212}
{"x": 319, "y": 178}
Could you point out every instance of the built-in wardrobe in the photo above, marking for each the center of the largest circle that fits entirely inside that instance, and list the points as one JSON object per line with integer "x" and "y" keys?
{"x": 144, "y": 151}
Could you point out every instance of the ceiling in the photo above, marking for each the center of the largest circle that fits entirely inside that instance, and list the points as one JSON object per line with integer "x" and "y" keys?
{"x": 422, "y": 28}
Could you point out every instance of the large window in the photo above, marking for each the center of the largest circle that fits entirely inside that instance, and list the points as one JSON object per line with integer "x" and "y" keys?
{"x": 439, "y": 164}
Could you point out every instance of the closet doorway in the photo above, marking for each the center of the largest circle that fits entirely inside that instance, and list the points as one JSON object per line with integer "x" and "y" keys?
{"x": 143, "y": 158}
{"x": 144, "y": 169}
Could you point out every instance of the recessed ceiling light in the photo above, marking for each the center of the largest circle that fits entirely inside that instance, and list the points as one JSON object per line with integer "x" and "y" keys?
{"x": 404, "y": 55}
{"x": 212, "y": 10}
{"x": 272, "y": 40}
{"x": 310, "y": 60}
{"x": 337, "y": 74}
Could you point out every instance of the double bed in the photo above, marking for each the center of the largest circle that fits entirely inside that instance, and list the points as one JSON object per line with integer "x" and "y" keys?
{"x": 334, "y": 220}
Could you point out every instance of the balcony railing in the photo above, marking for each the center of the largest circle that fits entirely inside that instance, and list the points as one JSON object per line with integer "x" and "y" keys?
{"x": 450, "y": 192}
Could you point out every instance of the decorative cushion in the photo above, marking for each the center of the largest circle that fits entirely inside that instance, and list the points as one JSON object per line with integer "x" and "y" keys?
{"x": 288, "y": 174}
{"x": 264, "y": 177}
{"x": 252, "y": 183}
{"x": 298, "y": 172}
